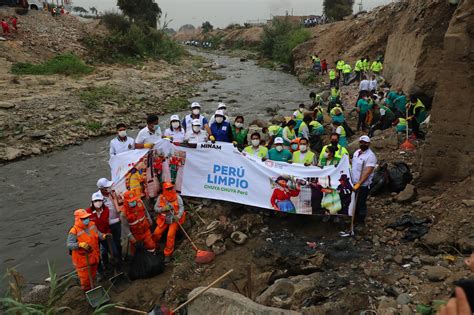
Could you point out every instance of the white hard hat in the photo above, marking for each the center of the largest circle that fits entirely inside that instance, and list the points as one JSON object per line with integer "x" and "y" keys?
{"x": 278, "y": 140}
{"x": 174, "y": 118}
{"x": 365, "y": 139}
{"x": 196, "y": 122}
{"x": 195, "y": 105}
{"x": 97, "y": 196}
{"x": 104, "y": 183}
{"x": 219, "y": 113}
{"x": 221, "y": 105}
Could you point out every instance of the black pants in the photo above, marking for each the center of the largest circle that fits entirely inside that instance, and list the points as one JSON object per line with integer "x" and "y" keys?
{"x": 346, "y": 78}
{"x": 415, "y": 126}
{"x": 361, "y": 205}
{"x": 116, "y": 229}
{"x": 357, "y": 76}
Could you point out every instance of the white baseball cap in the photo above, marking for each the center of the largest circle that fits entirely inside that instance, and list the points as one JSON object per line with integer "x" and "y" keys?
{"x": 97, "y": 196}
{"x": 195, "y": 105}
{"x": 104, "y": 183}
{"x": 278, "y": 140}
{"x": 174, "y": 118}
{"x": 365, "y": 139}
{"x": 219, "y": 113}
{"x": 196, "y": 122}
{"x": 221, "y": 105}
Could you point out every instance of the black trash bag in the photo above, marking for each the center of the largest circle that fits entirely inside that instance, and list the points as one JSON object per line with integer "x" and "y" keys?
{"x": 145, "y": 264}
{"x": 400, "y": 176}
{"x": 380, "y": 181}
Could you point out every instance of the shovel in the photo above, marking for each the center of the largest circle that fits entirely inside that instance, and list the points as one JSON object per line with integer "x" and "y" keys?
{"x": 96, "y": 296}
{"x": 202, "y": 256}
{"x": 119, "y": 281}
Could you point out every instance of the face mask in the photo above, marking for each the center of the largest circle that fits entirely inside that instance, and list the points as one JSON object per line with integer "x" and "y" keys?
{"x": 325, "y": 155}
{"x": 98, "y": 204}
{"x": 238, "y": 125}
{"x": 196, "y": 129}
{"x": 279, "y": 148}
{"x": 294, "y": 147}
{"x": 132, "y": 204}
{"x": 196, "y": 111}
{"x": 255, "y": 142}
{"x": 219, "y": 120}
{"x": 303, "y": 147}
{"x": 175, "y": 124}
{"x": 334, "y": 142}
{"x": 156, "y": 127}
{"x": 363, "y": 147}
{"x": 122, "y": 133}
{"x": 86, "y": 221}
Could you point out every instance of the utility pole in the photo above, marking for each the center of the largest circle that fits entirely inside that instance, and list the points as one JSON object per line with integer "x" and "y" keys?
{"x": 361, "y": 7}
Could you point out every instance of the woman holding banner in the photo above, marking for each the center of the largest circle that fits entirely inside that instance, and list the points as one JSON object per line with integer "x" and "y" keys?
{"x": 281, "y": 197}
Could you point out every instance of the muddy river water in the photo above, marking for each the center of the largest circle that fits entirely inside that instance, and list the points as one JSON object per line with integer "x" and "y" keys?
{"x": 39, "y": 194}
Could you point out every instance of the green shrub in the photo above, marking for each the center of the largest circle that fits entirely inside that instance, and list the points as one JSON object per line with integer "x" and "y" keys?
{"x": 94, "y": 96}
{"x": 132, "y": 42}
{"x": 66, "y": 64}
{"x": 94, "y": 126}
{"x": 281, "y": 38}
{"x": 176, "y": 104}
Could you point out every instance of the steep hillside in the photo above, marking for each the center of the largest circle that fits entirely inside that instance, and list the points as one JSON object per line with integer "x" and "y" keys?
{"x": 408, "y": 34}
{"x": 227, "y": 38}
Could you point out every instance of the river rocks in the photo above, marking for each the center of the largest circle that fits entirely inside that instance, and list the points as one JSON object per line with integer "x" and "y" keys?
{"x": 12, "y": 153}
{"x": 279, "y": 294}
{"x": 437, "y": 273}
{"x": 6, "y": 105}
{"x": 38, "y": 134}
{"x": 407, "y": 195}
{"x": 220, "y": 301}
{"x": 39, "y": 294}
{"x": 403, "y": 299}
{"x": 398, "y": 259}
{"x": 468, "y": 202}
{"x": 212, "y": 239}
{"x": 437, "y": 238}
{"x": 219, "y": 247}
{"x": 425, "y": 199}
{"x": 466, "y": 244}
{"x": 238, "y": 237}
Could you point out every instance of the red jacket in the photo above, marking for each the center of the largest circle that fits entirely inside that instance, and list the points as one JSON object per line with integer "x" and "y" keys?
{"x": 280, "y": 195}
{"x": 102, "y": 222}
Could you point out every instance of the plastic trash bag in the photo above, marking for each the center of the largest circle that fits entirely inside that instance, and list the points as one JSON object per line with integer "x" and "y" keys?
{"x": 332, "y": 202}
{"x": 145, "y": 264}
{"x": 400, "y": 176}
{"x": 380, "y": 180}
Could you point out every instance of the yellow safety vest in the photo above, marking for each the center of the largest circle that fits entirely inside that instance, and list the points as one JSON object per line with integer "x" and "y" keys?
{"x": 347, "y": 68}
{"x": 299, "y": 116}
{"x": 335, "y": 93}
{"x": 261, "y": 153}
{"x": 340, "y": 65}
{"x": 365, "y": 65}
{"x": 376, "y": 66}
{"x": 332, "y": 74}
{"x": 358, "y": 66}
{"x": 341, "y": 151}
{"x": 308, "y": 158}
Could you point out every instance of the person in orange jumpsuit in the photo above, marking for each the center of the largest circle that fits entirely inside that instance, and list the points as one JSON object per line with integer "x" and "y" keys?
{"x": 137, "y": 220}
{"x": 170, "y": 209}
{"x": 83, "y": 243}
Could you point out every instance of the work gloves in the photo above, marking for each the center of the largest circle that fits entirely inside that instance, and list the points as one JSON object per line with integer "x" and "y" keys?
{"x": 85, "y": 246}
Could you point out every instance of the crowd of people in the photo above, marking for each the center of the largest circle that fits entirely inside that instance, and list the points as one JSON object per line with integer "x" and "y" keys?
{"x": 6, "y": 22}
{"x": 315, "y": 20}
{"x": 298, "y": 139}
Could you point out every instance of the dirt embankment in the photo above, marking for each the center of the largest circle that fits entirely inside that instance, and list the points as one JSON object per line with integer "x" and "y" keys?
{"x": 408, "y": 34}
{"x": 228, "y": 38}
{"x": 41, "y": 113}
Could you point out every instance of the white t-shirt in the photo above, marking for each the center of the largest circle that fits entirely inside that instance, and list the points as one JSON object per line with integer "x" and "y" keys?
{"x": 118, "y": 146}
{"x": 194, "y": 138}
{"x": 114, "y": 216}
{"x": 146, "y": 136}
{"x": 372, "y": 85}
{"x": 361, "y": 160}
{"x": 364, "y": 85}
{"x": 178, "y": 136}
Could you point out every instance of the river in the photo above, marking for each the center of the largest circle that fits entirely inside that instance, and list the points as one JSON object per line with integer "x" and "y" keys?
{"x": 40, "y": 194}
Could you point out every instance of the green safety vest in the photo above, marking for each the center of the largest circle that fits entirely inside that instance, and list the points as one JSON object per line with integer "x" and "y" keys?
{"x": 347, "y": 68}
{"x": 376, "y": 66}
{"x": 333, "y": 110}
{"x": 332, "y": 74}
{"x": 299, "y": 116}
{"x": 365, "y": 64}
{"x": 315, "y": 59}
{"x": 335, "y": 93}
{"x": 341, "y": 151}
{"x": 261, "y": 153}
{"x": 340, "y": 65}
{"x": 300, "y": 128}
{"x": 275, "y": 130}
{"x": 422, "y": 114}
{"x": 358, "y": 66}
{"x": 291, "y": 135}
{"x": 308, "y": 158}
{"x": 402, "y": 122}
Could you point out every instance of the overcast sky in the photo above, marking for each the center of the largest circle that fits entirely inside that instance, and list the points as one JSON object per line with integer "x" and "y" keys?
{"x": 223, "y": 12}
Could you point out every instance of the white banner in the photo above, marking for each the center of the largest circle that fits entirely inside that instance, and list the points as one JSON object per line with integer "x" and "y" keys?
{"x": 219, "y": 171}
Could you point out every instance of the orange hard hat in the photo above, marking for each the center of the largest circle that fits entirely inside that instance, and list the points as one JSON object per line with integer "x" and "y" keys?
{"x": 296, "y": 140}
{"x": 167, "y": 185}
{"x": 130, "y": 196}
{"x": 81, "y": 214}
